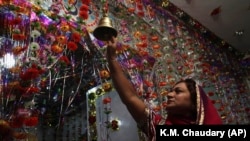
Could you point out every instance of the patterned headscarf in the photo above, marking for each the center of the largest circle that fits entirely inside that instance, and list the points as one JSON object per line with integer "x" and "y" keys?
{"x": 206, "y": 112}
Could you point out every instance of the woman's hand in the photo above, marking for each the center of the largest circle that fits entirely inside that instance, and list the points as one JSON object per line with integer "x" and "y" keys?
{"x": 111, "y": 48}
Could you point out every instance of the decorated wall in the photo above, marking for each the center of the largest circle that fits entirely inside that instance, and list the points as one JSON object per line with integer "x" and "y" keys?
{"x": 49, "y": 60}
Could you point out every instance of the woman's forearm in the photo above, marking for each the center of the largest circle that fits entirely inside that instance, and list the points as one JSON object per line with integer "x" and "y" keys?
{"x": 120, "y": 81}
{"x": 126, "y": 91}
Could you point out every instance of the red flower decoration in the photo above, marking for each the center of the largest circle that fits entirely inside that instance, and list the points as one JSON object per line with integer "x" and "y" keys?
{"x": 72, "y": 46}
{"x": 131, "y": 10}
{"x": 76, "y": 37}
{"x": 141, "y": 14}
{"x": 28, "y": 91}
{"x": 106, "y": 100}
{"x": 83, "y": 14}
{"x": 16, "y": 21}
{"x": 31, "y": 73}
{"x": 140, "y": 6}
{"x": 17, "y": 36}
{"x": 143, "y": 37}
{"x": 84, "y": 7}
{"x": 87, "y": 2}
{"x": 65, "y": 60}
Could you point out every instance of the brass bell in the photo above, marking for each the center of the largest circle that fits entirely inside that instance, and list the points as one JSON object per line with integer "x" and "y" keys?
{"x": 105, "y": 31}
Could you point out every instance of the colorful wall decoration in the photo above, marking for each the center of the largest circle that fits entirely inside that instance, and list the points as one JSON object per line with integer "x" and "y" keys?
{"x": 49, "y": 59}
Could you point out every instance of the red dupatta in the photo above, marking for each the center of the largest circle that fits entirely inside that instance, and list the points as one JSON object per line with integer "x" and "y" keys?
{"x": 207, "y": 114}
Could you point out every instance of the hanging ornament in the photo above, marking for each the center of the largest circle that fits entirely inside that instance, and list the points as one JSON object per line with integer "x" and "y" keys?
{"x": 105, "y": 31}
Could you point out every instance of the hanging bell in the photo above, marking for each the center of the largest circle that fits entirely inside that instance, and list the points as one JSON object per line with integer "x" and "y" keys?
{"x": 104, "y": 31}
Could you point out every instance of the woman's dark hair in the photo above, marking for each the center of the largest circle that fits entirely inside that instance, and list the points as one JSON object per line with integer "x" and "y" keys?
{"x": 191, "y": 85}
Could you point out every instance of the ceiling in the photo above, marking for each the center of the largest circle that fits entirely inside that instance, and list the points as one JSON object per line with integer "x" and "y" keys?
{"x": 230, "y": 21}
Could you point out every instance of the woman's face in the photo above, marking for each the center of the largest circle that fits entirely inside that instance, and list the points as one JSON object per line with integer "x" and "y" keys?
{"x": 179, "y": 99}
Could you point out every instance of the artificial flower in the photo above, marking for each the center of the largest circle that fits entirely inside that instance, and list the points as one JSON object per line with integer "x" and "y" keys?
{"x": 56, "y": 49}
{"x": 143, "y": 37}
{"x": 107, "y": 86}
{"x": 141, "y": 14}
{"x": 34, "y": 46}
{"x": 106, "y": 100}
{"x": 65, "y": 27}
{"x": 38, "y": 2}
{"x": 55, "y": 9}
{"x": 51, "y": 38}
{"x": 154, "y": 38}
{"x": 16, "y": 21}
{"x": 72, "y": 46}
{"x": 28, "y": 91}
{"x": 18, "y": 50}
{"x": 65, "y": 60}
{"x": 35, "y": 33}
{"x": 31, "y": 73}
{"x": 131, "y": 10}
{"x": 71, "y": 2}
{"x": 87, "y": 2}
{"x": 18, "y": 37}
{"x": 61, "y": 39}
{"x": 83, "y": 14}
{"x": 76, "y": 37}
{"x": 104, "y": 74}
{"x": 140, "y": 6}
{"x": 84, "y": 7}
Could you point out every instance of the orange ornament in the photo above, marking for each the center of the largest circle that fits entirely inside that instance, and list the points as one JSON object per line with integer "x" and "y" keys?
{"x": 107, "y": 86}
{"x": 143, "y": 53}
{"x": 157, "y": 54}
{"x": 104, "y": 74}
{"x": 131, "y": 10}
{"x": 56, "y": 49}
{"x": 65, "y": 27}
{"x": 61, "y": 39}
{"x": 154, "y": 38}
{"x": 157, "y": 46}
{"x": 162, "y": 83}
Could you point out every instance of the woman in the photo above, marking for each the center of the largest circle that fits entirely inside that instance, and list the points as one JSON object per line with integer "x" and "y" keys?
{"x": 187, "y": 102}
